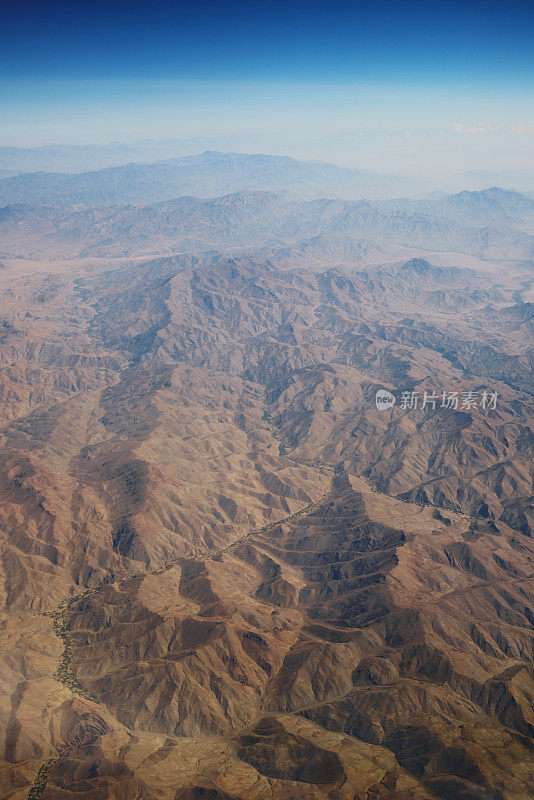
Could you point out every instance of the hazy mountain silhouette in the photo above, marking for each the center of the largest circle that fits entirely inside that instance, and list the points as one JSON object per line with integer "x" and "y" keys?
{"x": 205, "y": 175}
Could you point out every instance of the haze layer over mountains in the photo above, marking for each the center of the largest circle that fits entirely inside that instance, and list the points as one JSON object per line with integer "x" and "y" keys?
{"x": 225, "y": 572}
{"x": 206, "y": 175}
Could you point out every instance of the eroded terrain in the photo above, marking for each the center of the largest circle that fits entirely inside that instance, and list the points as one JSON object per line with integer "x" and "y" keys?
{"x": 226, "y": 574}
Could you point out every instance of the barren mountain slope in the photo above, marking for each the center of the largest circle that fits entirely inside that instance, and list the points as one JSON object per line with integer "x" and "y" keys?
{"x": 181, "y": 446}
{"x": 405, "y": 642}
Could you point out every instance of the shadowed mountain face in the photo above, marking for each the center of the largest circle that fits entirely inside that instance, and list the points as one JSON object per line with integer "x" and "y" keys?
{"x": 225, "y": 572}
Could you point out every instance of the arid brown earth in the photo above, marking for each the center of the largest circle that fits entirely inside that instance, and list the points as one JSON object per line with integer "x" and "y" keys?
{"x": 225, "y": 574}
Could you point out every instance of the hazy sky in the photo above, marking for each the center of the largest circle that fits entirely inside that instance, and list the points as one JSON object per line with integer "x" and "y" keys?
{"x": 419, "y": 87}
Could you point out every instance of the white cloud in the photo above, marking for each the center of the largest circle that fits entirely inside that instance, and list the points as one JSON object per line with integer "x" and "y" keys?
{"x": 485, "y": 128}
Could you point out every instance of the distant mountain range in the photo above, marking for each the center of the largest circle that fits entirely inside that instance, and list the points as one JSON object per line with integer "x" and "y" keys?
{"x": 83, "y": 157}
{"x": 494, "y": 206}
{"x": 489, "y": 224}
{"x": 207, "y": 175}
{"x": 518, "y": 180}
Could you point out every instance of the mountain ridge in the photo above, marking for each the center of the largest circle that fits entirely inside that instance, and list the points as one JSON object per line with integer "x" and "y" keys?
{"x": 208, "y": 174}
{"x": 492, "y": 224}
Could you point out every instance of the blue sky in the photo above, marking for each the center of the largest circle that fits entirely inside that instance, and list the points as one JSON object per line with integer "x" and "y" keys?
{"x": 352, "y": 82}
{"x": 309, "y": 41}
